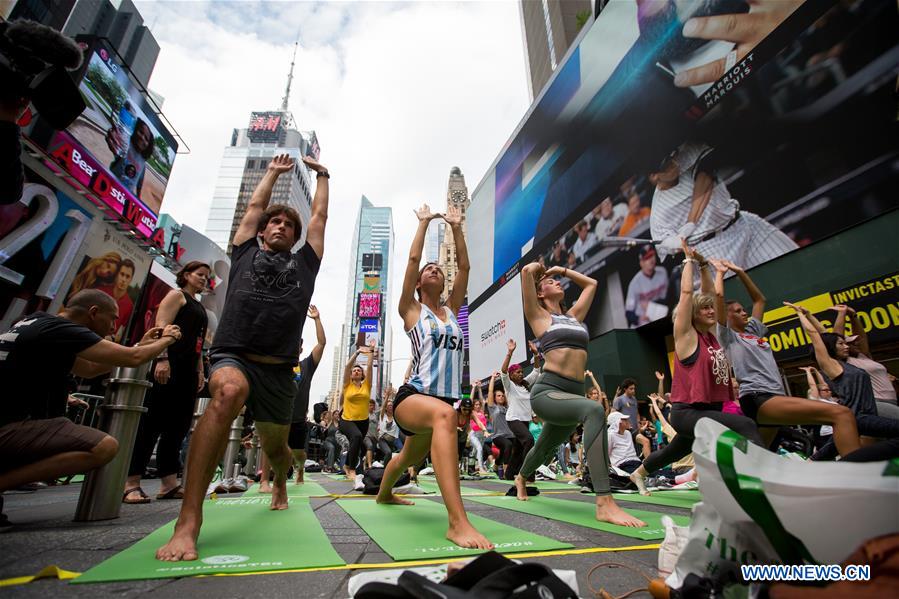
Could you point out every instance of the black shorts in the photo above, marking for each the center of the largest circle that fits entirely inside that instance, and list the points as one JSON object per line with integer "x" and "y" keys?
{"x": 406, "y": 391}
{"x": 751, "y": 402}
{"x": 296, "y": 438}
{"x": 272, "y": 387}
{"x": 29, "y": 441}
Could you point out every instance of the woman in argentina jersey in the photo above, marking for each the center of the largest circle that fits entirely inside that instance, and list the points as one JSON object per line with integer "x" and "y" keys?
{"x": 423, "y": 407}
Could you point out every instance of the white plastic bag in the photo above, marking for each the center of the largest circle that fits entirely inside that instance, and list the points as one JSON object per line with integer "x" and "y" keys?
{"x": 672, "y": 545}
{"x": 758, "y": 507}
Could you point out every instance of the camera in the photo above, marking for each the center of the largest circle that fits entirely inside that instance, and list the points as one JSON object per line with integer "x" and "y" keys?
{"x": 34, "y": 64}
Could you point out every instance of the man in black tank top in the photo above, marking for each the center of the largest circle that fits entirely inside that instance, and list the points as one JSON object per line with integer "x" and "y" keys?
{"x": 254, "y": 350}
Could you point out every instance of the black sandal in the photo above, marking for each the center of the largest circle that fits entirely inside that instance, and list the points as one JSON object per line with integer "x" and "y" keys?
{"x": 144, "y": 498}
{"x": 174, "y": 493}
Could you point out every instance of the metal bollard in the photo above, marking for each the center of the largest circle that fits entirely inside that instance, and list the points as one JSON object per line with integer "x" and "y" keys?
{"x": 101, "y": 494}
{"x": 199, "y": 409}
{"x": 233, "y": 448}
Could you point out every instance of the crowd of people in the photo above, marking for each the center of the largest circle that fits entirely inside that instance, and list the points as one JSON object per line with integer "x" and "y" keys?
{"x": 554, "y": 421}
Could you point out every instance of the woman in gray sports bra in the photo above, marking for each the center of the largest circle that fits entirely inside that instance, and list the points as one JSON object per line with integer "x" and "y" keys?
{"x": 557, "y": 396}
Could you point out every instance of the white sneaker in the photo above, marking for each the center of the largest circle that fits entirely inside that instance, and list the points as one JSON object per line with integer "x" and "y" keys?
{"x": 377, "y": 465}
{"x": 426, "y": 471}
{"x": 358, "y": 485}
{"x": 545, "y": 471}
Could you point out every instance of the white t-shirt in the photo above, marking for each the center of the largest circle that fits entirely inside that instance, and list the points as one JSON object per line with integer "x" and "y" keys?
{"x": 518, "y": 398}
{"x": 580, "y": 246}
{"x": 388, "y": 427}
{"x": 621, "y": 447}
{"x": 606, "y": 227}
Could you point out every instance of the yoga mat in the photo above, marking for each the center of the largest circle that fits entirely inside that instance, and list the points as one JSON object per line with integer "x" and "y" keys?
{"x": 418, "y": 531}
{"x": 583, "y": 513}
{"x": 238, "y": 535}
{"x": 667, "y": 498}
{"x": 307, "y": 489}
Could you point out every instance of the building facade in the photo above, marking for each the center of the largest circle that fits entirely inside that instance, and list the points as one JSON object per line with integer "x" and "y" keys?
{"x": 245, "y": 161}
{"x": 456, "y": 196}
{"x": 549, "y": 27}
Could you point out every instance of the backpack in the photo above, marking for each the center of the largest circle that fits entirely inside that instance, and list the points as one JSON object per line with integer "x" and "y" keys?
{"x": 372, "y": 480}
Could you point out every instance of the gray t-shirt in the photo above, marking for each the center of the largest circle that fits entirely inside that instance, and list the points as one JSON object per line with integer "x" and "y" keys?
{"x": 627, "y": 405}
{"x": 500, "y": 426}
{"x": 752, "y": 359}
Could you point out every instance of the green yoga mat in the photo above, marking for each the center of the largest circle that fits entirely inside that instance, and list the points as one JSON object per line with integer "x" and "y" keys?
{"x": 238, "y": 535}
{"x": 548, "y": 485}
{"x": 307, "y": 489}
{"x": 418, "y": 531}
{"x": 583, "y": 513}
{"x": 682, "y": 499}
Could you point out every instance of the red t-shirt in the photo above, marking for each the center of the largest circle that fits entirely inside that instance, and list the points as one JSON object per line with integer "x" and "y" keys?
{"x": 704, "y": 377}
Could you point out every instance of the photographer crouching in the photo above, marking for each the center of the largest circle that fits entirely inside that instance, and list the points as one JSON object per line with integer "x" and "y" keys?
{"x": 33, "y": 63}
{"x": 37, "y": 354}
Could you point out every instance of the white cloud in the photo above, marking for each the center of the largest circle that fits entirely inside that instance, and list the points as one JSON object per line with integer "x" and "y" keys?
{"x": 397, "y": 92}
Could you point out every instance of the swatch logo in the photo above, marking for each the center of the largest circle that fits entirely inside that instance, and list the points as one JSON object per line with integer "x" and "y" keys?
{"x": 491, "y": 334}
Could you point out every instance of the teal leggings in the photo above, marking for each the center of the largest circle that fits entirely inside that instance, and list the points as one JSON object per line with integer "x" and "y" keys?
{"x": 560, "y": 403}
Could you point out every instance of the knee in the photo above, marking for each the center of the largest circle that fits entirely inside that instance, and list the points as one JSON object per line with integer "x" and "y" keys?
{"x": 105, "y": 450}
{"x": 840, "y": 414}
{"x": 445, "y": 419}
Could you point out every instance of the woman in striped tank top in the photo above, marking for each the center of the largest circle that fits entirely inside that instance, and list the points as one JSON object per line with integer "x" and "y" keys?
{"x": 423, "y": 407}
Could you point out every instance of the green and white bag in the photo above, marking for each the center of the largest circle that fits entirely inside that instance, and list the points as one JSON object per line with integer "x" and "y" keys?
{"x": 761, "y": 508}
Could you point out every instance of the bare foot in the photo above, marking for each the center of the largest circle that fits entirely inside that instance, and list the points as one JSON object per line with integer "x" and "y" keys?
{"x": 466, "y": 535}
{"x": 351, "y": 475}
{"x": 639, "y": 480}
{"x": 181, "y": 547}
{"x": 389, "y": 497}
{"x": 521, "y": 487}
{"x": 279, "y": 496}
{"x": 265, "y": 488}
{"x": 608, "y": 511}
{"x": 299, "y": 481}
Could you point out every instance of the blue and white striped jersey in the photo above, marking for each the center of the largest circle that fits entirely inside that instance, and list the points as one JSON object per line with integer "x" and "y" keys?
{"x": 437, "y": 354}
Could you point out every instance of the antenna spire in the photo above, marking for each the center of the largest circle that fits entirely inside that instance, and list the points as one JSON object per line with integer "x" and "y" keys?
{"x": 289, "y": 77}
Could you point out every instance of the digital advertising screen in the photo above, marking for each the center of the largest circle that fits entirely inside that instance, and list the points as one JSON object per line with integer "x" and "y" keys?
{"x": 369, "y": 305}
{"x": 265, "y": 126}
{"x": 647, "y": 133}
{"x": 368, "y": 325}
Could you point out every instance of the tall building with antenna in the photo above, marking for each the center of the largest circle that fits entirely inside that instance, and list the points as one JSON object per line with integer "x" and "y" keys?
{"x": 244, "y": 162}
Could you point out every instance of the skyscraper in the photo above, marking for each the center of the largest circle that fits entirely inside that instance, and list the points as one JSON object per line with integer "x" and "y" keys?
{"x": 457, "y": 196}
{"x": 245, "y": 161}
{"x": 549, "y": 27}
{"x": 368, "y": 316}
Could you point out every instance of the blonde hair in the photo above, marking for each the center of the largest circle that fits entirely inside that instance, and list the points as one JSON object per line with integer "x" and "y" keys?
{"x": 699, "y": 301}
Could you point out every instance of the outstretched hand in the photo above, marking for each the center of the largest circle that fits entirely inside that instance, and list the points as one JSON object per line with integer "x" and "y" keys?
{"x": 424, "y": 213}
{"x": 555, "y": 271}
{"x": 280, "y": 164}
{"x": 660, "y": 376}
{"x": 453, "y": 216}
{"x": 796, "y": 307}
{"x": 511, "y": 345}
{"x": 312, "y": 312}
{"x": 688, "y": 251}
{"x": 314, "y": 164}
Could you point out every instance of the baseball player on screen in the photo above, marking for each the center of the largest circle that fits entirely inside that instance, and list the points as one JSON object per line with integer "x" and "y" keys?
{"x": 691, "y": 202}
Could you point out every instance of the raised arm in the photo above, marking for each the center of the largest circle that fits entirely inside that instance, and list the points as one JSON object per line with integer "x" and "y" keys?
{"x": 453, "y": 218}
{"x": 706, "y": 283}
{"x": 262, "y": 195}
{"x": 536, "y": 353}
{"x": 476, "y": 390}
{"x": 372, "y": 354}
{"x": 530, "y": 274}
{"x": 315, "y": 235}
{"x": 720, "y": 307}
{"x": 408, "y": 303}
{"x": 812, "y": 384}
{"x": 755, "y": 294}
{"x": 510, "y": 349}
{"x": 588, "y": 290}
{"x": 319, "y": 348}
{"x": 661, "y": 378}
{"x": 348, "y": 369}
{"x": 857, "y": 329}
{"x": 490, "y": 386}
{"x": 831, "y": 367}
{"x": 685, "y": 339}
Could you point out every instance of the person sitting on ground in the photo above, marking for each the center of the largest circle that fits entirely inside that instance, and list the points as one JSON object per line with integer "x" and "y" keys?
{"x": 860, "y": 357}
{"x": 370, "y": 442}
{"x": 818, "y": 390}
{"x": 622, "y": 454}
{"x": 684, "y": 464}
{"x": 388, "y": 431}
{"x": 627, "y": 404}
{"x": 37, "y": 356}
{"x": 502, "y": 437}
{"x": 463, "y": 426}
{"x": 761, "y": 390}
{"x": 574, "y": 454}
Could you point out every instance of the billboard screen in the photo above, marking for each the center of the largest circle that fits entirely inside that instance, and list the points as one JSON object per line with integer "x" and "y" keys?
{"x": 371, "y": 284}
{"x": 265, "y": 126}
{"x": 750, "y": 151}
{"x": 119, "y": 136}
{"x": 492, "y": 326}
{"x": 368, "y": 325}
{"x": 369, "y": 305}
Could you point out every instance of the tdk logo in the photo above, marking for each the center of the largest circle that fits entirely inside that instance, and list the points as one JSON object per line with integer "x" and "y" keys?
{"x": 493, "y": 332}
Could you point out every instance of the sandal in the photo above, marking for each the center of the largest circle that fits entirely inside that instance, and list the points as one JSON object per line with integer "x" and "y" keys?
{"x": 174, "y": 493}
{"x": 144, "y": 498}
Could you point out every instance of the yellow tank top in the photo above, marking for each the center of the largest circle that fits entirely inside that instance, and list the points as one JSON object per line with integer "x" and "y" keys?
{"x": 355, "y": 401}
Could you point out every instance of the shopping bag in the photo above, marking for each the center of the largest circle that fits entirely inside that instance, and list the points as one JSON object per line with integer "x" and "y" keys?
{"x": 672, "y": 545}
{"x": 762, "y": 508}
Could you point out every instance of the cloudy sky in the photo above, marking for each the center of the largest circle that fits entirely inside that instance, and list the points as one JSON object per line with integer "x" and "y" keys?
{"x": 398, "y": 93}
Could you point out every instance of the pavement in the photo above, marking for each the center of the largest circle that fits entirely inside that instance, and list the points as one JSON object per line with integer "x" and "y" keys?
{"x": 44, "y": 534}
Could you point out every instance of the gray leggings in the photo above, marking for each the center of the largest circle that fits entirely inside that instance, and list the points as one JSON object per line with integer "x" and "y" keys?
{"x": 560, "y": 402}
{"x": 683, "y": 420}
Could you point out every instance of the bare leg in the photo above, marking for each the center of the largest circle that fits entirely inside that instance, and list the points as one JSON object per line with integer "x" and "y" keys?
{"x": 794, "y": 410}
{"x": 420, "y": 414}
{"x": 61, "y": 464}
{"x": 413, "y": 452}
{"x": 644, "y": 443}
{"x": 264, "y": 485}
{"x": 521, "y": 487}
{"x": 274, "y": 446}
{"x": 229, "y": 389}
{"x": 299, "y": 460}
